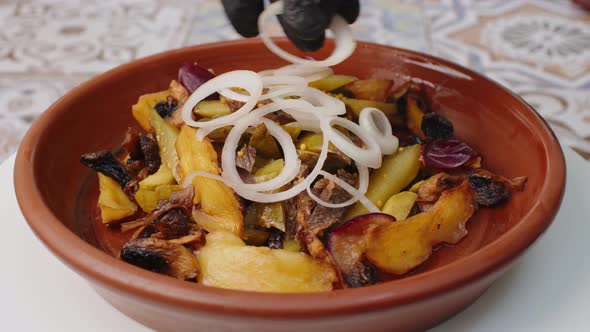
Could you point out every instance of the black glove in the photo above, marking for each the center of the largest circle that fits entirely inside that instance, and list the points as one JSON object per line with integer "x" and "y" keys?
{"x": 304, "y": 21}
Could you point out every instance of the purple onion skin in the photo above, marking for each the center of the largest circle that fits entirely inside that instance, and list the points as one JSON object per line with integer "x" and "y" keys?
{"x": 447, "y": 153}
{"x": 192, "y": 76}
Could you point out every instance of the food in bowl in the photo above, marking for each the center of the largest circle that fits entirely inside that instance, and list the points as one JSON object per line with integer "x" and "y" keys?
{"x": 290, "y": 180}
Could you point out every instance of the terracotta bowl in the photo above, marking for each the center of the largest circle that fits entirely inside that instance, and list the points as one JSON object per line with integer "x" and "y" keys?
{"x": 50, "y": 183}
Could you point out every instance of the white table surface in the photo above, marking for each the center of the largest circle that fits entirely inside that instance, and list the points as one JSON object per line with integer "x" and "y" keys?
{"x": 547, "y": 290}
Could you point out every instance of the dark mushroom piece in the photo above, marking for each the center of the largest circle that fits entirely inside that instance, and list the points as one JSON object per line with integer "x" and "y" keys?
{"x": 167, "y": 107}
{"x": 151, "y": 153}
{"x": 106, "y": 163}
{"x": 436, "y": 126}
{"x": 161, "y": 256}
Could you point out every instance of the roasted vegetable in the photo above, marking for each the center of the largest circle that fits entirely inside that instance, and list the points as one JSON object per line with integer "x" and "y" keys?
{"x": 216, "y": 206}
{"x": 291, "y": 245}
{"x": 192, "y": 76}
{"x": 264, "y": 143}
{"x": 269, "y": 171}
{"x": 430, "y": 189}
{"x": 113, "y": 202}
{"x": 178, "y": 92}
{"x": 151, "y": 153}
{"x": 447, "y": 153}
{"x": 396, "y": 172}
{"x": 323, "y": 218}
{"x": 211, "y": 109}
{"x": 400, "y": 205}
{"x": 131, "y": 144}
{"x": 146, "y": 103}
{"x": 271, "y": 215}
{"x": 357, "y": 105}
{"x": 106, "y": 163}
{"x": 149, "y": 199}
{"x": 292, "y": 130}
{"x": 348, "y": 243}
{"x": 245, "y": 158}
{"x": 414, "y": 117}
{"x": 313, "y": 142}
{"x": 491, "y": 189}
{"x": 401, "y": 246}
{"x": 436, "y": 126}
{"x": 162, "y": 177}
{"x": 166, "y": 107}
{"x": 227, "y": 262}
{"x": 161, "y": 256}
{"x": 332, "y": 82}
{"x": 171, "y": 225}
{"x": 376, "y": 90}
{"x": 166, "y": 136}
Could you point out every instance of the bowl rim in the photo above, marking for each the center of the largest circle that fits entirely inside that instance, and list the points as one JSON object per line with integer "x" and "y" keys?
{"x": 118, "y": 276}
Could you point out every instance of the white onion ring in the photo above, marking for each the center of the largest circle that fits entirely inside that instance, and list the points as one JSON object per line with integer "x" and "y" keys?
{"x": 362, "y": 190}
{"x": 345, "y": 43}
{"x": 370, "y": 157}
{"x": 279, "y": 86}
{"x": 379, "y": 128}
{"x": 250, "y": 82}
{"x": 323, "y": 103}
{"x": 293, "y": 191}
{"x": 309, "y": 74}
{"x": 228, "y": 158}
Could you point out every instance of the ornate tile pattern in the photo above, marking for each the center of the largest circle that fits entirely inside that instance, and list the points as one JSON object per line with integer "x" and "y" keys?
{"x": 538, "y": 48}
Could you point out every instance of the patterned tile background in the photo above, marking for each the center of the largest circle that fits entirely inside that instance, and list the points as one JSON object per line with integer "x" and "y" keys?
{"x": 538, "y": 48}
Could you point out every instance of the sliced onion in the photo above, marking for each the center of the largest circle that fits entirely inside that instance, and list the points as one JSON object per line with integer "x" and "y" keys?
{"x": 323, "y": 103}
{"x": 309, "y": 74}
{"x": 293, "y": 191}
{"x": 245, "y": 79}
{"x": 370, "y": 157}
{"x": 284, "y": 80}
{"x": 279, "y": 86}
{"x": 377, "y": 125}
{"x": 362, "y": 190}
{"x": 345, "y": 43}
{"x": 319, "y": 75}
{"x": 228, "y": 158}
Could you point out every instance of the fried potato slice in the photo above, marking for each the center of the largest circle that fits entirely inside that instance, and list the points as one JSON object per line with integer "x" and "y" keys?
{"x": 216, "y": 205}
{"x": 403, "y": 245}
{"x": 227, "y": 262}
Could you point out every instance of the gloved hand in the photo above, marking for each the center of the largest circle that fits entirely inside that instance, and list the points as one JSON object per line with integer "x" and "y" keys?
{"x": 304, "y": 21}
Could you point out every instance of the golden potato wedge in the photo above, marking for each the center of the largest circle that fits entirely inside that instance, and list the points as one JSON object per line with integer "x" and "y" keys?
{"x": 145, "y": 103}
{"x": 113, "y": 203}
{"x": 227, "y": 262}
{"x": 166, "y": 135}
{"x": 397, "y": 172}
{"x": 162, "y": 177}
{"x": 400, "y": 205}
{"x": 216, "y": 206}
{"x": 403, "y": 245}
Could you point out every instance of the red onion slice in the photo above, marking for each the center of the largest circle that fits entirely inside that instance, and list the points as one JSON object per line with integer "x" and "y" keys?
{"x": 192, "y": 76}
{"x": 447, "y": 153}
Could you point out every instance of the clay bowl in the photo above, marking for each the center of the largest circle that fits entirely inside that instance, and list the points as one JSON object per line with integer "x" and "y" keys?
{"x": 51, "y": 185}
